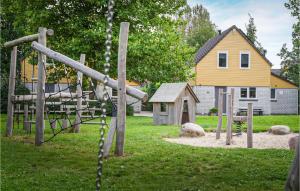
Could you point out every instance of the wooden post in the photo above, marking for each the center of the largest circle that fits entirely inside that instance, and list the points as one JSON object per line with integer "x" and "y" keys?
{"x": 11, "y": 92}
{"x": 26, "y": 123}
{"x": 40, "y": 101}
{"x": 292, "y": 182}
{"x": 232, "y": 107}
{"x": 220, "y": 113}
{"x": 121, "y": 115}
{"x": 110, "y": 136}
{"x": 32, "y": 111}
{"x": 232, "y": 101}
{"x": 65, "y": 123}
{"x": 79, "y": 97}
{"x": 250, "y": 125}
{"x": 229, "y": 119}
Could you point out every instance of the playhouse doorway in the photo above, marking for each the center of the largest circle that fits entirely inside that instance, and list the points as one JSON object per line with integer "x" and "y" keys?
{"x": 185, "y": 112}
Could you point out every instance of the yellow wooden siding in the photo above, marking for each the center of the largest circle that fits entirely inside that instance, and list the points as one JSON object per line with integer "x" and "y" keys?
{"x": 208, "y": 73}
{"x": 277, "y": 82}
{"x": 29, "y": 68}
{"x": 132, "y": 83}
{"x": 28, "y": 72}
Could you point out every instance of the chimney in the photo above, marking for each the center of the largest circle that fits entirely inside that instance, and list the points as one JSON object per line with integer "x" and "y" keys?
{"x": 264, "y": 52}
{"x": 219, "y": 31}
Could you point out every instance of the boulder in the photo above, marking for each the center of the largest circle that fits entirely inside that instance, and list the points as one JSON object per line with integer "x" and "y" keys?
{"x": 293, "y": 141}
{"x": 191, "y": 130}
{"x": 279, "y": 130}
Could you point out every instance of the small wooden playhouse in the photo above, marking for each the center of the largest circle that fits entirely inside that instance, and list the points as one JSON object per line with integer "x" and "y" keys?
{"x": 174, "y": 103}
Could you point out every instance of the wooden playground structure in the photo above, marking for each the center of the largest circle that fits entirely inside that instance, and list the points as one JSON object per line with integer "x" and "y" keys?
{"x": 14, "y": 101}
{"x": 231, "y": 118}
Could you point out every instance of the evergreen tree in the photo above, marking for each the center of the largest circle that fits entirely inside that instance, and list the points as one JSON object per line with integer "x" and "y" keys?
{"x": 291, "y": 59}
{"x": 251, "y": 29}
{"x": 251, "y": 34}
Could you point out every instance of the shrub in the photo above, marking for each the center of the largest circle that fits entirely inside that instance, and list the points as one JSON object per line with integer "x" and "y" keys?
{"x": 213, "y": 110}
{"x": 150, "y": 89}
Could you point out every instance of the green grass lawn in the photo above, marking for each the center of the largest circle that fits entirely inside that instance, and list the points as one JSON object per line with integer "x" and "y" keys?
{"x": 260, "y": 123}
{"x": 68, "y": 162}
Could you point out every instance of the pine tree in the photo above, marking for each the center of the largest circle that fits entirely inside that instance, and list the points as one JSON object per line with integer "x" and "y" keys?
{"x": 251, "y": 34}
{"x": 251, "y": 29}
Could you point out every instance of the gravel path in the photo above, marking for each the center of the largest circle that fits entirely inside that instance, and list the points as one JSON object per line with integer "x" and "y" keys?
{"x": 260, "y": 141}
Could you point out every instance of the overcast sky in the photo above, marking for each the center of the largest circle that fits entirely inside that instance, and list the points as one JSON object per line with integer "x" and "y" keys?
{"x": 272, "y": 19}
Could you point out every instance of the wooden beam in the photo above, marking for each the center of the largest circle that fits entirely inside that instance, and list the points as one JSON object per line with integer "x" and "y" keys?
{"x": 40, "y": 101}
{"x": 11, "y": 91}
{"x": 24, "y": 39}
{"x": 229, "y": 119}
{"x": 121, "y": 115}
{"x": 110, "y": 137}
{"x": 21, "y": 98}
{"x": 79, "y": 96}
{"x": 250, "y": 126}
{"x": 87, "y": 71}
{"x": 220, "y": 113}
{"x": 26, "y": 125}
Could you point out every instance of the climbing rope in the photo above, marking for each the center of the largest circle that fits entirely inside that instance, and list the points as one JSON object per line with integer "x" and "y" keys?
{"x": 108, "y": 44}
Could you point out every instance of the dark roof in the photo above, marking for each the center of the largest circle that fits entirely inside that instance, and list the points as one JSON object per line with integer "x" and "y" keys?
{"x": 211, "y": 43}
{"x": 169, "y": 92}
{"x": 277, "y": 72}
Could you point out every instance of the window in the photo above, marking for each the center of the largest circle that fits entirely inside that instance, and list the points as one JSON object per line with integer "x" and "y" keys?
{"x": 163, "y": 107}
{"x": 222, "y": 59}
{"x": 273, "y": 93}
{"x": 252, "y": 92}
{"x": 244, "y": 93}
{"x": 248, "y": 92}
{"x": 245, "y": 60}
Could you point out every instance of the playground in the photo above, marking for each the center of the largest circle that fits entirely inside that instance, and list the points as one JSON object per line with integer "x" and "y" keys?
{"x": 150, "y": 163}
{"x": 68, "y": 121}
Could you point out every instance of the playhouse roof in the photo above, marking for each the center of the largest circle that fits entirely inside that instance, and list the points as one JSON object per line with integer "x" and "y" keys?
{"x": 169, "y": 92}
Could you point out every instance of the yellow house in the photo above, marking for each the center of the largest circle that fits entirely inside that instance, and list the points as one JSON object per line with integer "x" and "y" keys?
{"x": 231, "y": 60}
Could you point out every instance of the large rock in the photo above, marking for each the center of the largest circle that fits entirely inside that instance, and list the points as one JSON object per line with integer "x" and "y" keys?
{"x": 293, "y": 142}
{"x": 279, "y": 130}
{"x": 191, "y": 130}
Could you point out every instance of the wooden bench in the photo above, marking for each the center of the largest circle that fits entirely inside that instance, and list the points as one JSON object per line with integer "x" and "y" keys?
{"x": 256, "y": 111}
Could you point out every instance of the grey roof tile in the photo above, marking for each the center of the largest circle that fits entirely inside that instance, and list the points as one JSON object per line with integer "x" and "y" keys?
{"x": 211, "y": 43}
{"x": 169, "y": 92}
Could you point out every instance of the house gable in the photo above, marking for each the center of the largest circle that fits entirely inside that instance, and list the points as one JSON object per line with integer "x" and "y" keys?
{"x": 234, "y": 42}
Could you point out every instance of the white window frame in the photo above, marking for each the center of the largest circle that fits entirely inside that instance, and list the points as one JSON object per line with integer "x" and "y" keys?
{"x": 249, "y": 59}
{"x": 247, "y": 89}
{"x": 271, "y": 94}
{"x": 218, "y": 64}
{"x": 255, "y": 93}
{"x": 167, "y": 108}
{"x": 248, "y": 93}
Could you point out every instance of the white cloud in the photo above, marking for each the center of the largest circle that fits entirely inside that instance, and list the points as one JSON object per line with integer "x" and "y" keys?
{"x": 272, "y": 19}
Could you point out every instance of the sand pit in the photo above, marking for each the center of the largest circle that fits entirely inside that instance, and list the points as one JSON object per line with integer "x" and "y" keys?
{"x": 260, "y": 141}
